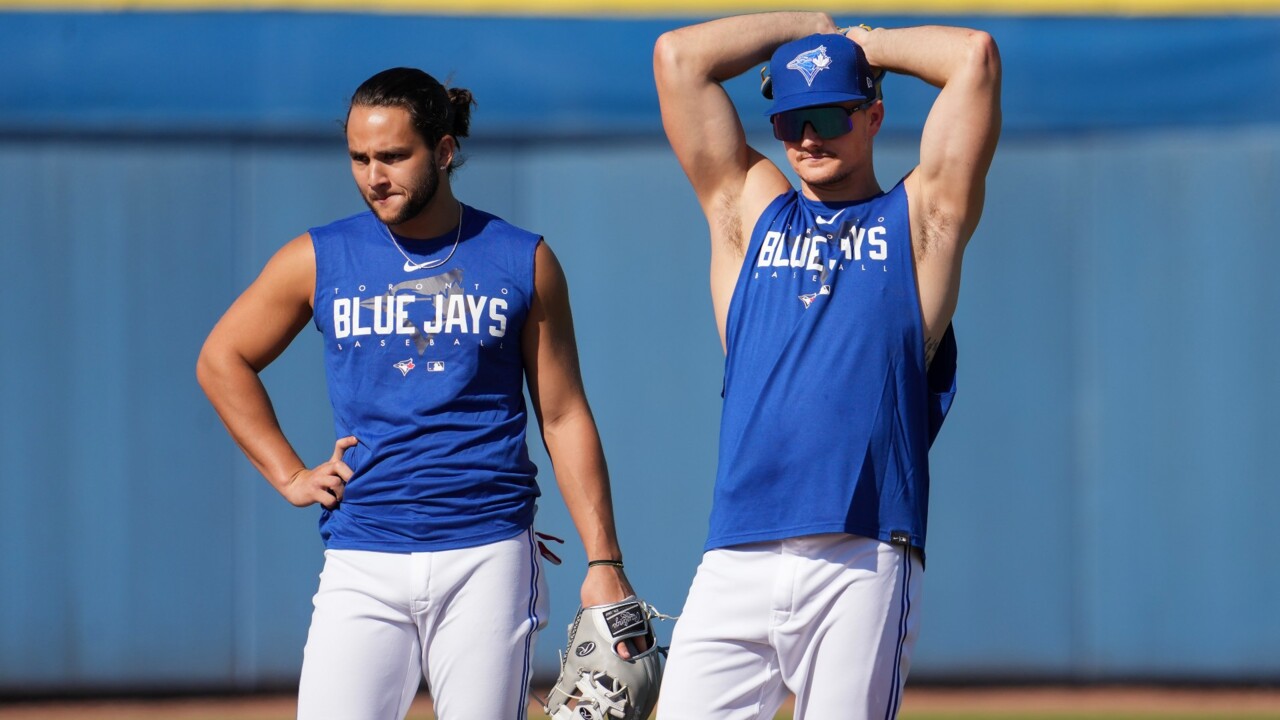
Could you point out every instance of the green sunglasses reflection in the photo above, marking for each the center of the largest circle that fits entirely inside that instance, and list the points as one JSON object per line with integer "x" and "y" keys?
{"x": 827, "y": 121}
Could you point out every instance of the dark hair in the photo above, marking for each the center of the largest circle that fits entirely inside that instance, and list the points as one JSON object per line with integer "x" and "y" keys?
{"x": 434, "y": 110}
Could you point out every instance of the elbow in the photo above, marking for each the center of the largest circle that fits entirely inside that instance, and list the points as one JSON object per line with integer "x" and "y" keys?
{"x": 564, "y": 419}
{"x": 984, "y": 55}
{"x": 668, "y": 54}
{"x": 206, "y": 368}
{"x": 682, "y": 54}
{"x": 215, "y": 364}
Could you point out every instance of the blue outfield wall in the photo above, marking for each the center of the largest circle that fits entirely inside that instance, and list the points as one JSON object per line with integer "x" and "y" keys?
{"x": 289, "y": 73}
{"x": 1104, "y": 490}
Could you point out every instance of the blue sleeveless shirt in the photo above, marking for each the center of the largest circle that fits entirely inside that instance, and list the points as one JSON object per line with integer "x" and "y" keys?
{"x": 828, "y": 410}
{"x": 425, "y": 369}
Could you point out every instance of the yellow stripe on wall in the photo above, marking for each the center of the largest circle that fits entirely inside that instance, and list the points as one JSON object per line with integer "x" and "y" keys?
{"x": 608, "y": 8}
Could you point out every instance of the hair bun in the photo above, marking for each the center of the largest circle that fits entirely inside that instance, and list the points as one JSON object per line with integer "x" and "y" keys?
{"x": 462, "y": 101}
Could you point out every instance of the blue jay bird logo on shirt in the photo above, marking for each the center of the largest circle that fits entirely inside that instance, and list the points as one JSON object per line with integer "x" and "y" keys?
{"x": 811, "y": 62}
{"x": 808, "y": 298}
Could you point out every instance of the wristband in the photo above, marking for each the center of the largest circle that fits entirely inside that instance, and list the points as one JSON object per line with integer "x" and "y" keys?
{"x": 609, "y": 563}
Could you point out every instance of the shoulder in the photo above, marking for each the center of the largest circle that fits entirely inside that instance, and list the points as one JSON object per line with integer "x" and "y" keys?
{"x": 497, "y": 228}
{"x": 344, "y": 227}
{"x": 358, "y": 220}
{"x": 771, "y": 208}
{"x": 289, "y": 276}
{"x": 739, "y": 212}
{"x": 298, "y": 254}
{"x": 903, "y": 193}
{"x": 787, "y": 198}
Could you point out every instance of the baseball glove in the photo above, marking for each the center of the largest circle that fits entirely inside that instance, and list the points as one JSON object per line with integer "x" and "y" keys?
{"x": 595, "y": 683}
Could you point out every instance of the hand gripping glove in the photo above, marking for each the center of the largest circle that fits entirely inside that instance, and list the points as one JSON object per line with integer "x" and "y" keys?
{"x": 594, "y": 678}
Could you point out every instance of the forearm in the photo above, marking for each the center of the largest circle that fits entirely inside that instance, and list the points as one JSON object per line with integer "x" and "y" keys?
{"x": 583, "y": 478}
{"x": 933, "y": 53}
{"x": 727, "y": 47}
{"x": 241, "y": 401}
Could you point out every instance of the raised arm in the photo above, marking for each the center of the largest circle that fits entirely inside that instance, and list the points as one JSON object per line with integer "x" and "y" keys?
{"x": 733, "y": 181}
{"x": 568, "y": 428}
{"x": 689, "y": 64}
{"x": 960, "y": 134}
{"x": 957, "y": 145}
{"x": 258, "y": 327}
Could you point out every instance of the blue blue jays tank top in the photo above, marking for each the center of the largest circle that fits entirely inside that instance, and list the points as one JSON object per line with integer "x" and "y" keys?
{"x": 828, "y": 410}
{"x": 424, "y": 368}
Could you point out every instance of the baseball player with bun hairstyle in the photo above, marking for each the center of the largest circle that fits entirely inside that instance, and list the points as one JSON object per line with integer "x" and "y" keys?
{"x": 834, "y": 304}
{"x": 433, "y": 315}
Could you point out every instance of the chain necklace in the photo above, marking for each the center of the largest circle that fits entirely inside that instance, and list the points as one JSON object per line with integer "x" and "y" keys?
{"x": 410, "y": 265}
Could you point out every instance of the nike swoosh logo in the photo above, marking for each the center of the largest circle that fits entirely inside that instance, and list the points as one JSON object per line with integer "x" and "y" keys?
{"x": 828, "y": 221}
{"x": 428, "y": 265}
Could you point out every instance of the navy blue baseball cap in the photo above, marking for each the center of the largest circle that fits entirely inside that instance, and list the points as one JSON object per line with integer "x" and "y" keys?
{"x": 819, "y": 70}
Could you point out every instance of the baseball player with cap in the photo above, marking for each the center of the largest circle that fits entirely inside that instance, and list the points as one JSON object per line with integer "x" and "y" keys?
{"x": 834, "y": 304}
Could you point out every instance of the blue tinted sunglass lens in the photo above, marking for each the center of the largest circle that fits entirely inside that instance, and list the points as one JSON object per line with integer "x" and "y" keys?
{"x": 788, "y": 126}
{"x": 827, "y": 122}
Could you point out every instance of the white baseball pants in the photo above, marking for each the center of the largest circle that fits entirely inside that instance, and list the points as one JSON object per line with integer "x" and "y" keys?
{"x": 465, "y": 619}
{"x": 832, "y": 618}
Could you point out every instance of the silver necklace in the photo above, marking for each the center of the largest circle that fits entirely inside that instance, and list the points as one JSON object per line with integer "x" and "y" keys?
{"x": 410, "y": 265}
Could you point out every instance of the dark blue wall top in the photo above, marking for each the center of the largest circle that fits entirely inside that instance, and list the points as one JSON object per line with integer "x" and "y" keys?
{"x": 290, "y": 73}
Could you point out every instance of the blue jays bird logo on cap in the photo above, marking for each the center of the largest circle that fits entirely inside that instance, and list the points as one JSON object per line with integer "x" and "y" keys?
{"x": 811, "y": 62}
{"x": 833, "y": 68}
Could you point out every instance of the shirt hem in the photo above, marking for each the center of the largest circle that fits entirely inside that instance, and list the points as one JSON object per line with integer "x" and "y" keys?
{"x": 885, "y": 536}
{"x": 412, "y": 546}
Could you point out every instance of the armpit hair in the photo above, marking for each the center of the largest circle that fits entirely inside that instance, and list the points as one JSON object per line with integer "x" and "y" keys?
{"x": 934, "y": 224}
{"x": 727, "y": 224}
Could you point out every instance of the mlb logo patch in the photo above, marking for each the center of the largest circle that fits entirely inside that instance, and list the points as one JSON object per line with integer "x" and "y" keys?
{"x": 435, "y": 366}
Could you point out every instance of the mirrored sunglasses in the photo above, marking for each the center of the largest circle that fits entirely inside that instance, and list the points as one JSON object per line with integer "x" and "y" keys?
{"x": 828, "y": 121}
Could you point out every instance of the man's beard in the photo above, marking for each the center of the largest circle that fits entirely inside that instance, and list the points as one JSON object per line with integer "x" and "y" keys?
{"x": 416, "y": 198}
